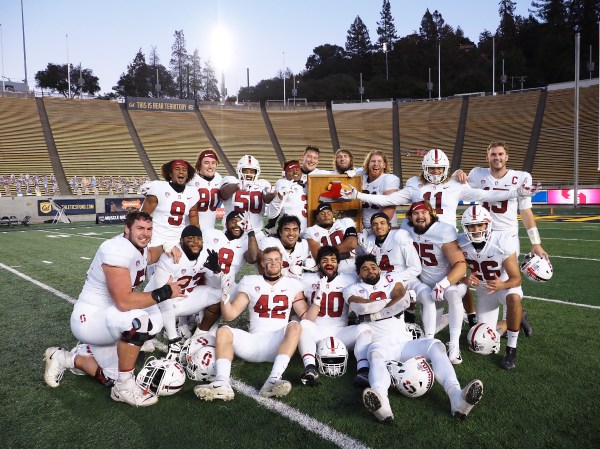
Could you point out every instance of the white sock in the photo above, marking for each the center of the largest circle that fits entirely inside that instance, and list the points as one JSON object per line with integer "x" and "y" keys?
{"x": 223, "y": 367}
{"x": 279, "y": 365}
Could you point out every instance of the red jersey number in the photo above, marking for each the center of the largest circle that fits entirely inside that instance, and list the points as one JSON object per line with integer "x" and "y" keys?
{"x": 177, "y": 212}
{"x": 280, "y": 306}
{"x": 209, "y": 199}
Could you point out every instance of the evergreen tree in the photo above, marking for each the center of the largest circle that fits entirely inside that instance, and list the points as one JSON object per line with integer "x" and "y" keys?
{"x": 386, "y": 29}
{"x": 507, "y": 28}
{"x": 428, "y": 29}
{"x": 179, "y": 60}
{"x": 211, "y": 84}
{"x": 358, "y": 42}
{"x": 195, "y": 75}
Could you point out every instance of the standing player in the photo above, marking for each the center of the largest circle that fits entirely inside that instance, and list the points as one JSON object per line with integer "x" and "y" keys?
{"x": 375, "y": 292}
{"x": 247, "y": 193}
{"x": 443, "y": 267}
{"x": 113, "y": 319}
{"x": 173, "y": 203}
{"x": 343, "y": 163}
{"x": 377, "y": 179}
{"x": 330, "y": 318}
{"x": 340, "y": 233}
{"x": 290, "y": 198}
{"x": 494, "y": 272}
{"x": 310, "y": 160}
{"x": 271, "y": 337}
{"x": 208, "y": 183}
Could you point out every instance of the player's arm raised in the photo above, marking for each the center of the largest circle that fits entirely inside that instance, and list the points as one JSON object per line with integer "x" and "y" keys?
{"x": 230, "y": 310}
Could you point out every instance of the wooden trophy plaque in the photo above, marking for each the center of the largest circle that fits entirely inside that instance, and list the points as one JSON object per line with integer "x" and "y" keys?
{"x": 319, "y": 184}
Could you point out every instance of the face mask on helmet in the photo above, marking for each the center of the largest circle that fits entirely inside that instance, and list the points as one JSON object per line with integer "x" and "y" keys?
{"x": 332, "y": 357}
{"x": 161, "y": 377}
{"x": 248, "y": 162}
{"x": 412, "y": 378}
{"x": 482, "y": 339}
{"x": 536, "y": 268}
{"x": 435, "y": 158}
{"x": 415, "y": 330}
{"x": 477, "y": 215}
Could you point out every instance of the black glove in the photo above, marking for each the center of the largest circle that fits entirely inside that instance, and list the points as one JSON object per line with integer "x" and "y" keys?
{"x": 212, "y": 262}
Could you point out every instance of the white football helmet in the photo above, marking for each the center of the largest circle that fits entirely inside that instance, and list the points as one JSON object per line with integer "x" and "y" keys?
{"x": 482, "y": 339}
{"x": 201, "y": 364}
{"x": 248, "y": 161}
{"x": 476, "y": 215}
{"x": 415, "y": 330}
{"x": 435, "y": 158}
{"x": 332, "y": 357}
{"x": 161, "y": 377}
{"x": 536, "y": 268}
{"x": 192, "y": 344}
{"x": 412, "y": 378}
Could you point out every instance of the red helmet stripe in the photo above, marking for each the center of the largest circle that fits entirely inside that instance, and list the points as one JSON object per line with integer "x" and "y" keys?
{"x": 332, "y": 344}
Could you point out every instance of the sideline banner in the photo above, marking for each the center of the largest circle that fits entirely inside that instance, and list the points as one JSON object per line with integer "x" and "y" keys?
{"x": 117, "y": 217}
{"x": 112, "y": 205}
{"x": 159, "y": 104}
{"x": 70, "y": 207}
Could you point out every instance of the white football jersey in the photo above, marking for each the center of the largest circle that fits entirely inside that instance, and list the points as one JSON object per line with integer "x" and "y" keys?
{"x": 294, "y": 203}
{"x": 487, "y": 262}
{"x": 296, "y": 257}
{"x": 334, "y": 310}
{"x": 333, "y": 237}
{"x": 209, "y": 199}
{"x": 396, "y": 253}
{"x": 270, "y": 304}
{"x": 385, "y": 182}
{"x": 435, "y": 265}
{"x": 116, "y": 252}
{"x": 250, "y": 200}
{"x": 172, "y": 211}
{"x": 381, "y": 291}
{"x": 504, "y": 213}
{"x": 231, "y": 254}
{"x": 191, "y": 272}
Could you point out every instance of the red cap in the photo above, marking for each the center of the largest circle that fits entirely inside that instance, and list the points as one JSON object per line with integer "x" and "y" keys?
{"x": 179, "y": 163}
{"x": 208, "y": 153}
{"x": 291, "y": 165}
{"x": 419, "y": 205}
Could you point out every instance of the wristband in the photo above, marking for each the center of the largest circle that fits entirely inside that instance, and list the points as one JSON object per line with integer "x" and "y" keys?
{"x": 250, "y": 233}
{"x": 534, "y": 236}
{"x": 167, "y": 247}
{"x": 162, "y": 294}
{"x": 444, "y": 283}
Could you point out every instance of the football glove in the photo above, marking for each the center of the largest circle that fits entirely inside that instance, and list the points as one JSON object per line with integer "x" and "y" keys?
{"x": 437, "y": 294}
{"x": 212, "y": 262}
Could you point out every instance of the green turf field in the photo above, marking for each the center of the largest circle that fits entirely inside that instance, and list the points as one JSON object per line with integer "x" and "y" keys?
{"x": 549, "y": 401}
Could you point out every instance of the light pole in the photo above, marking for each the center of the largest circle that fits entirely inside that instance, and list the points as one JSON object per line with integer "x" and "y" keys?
{"x": 385, "y": 51}
{"x": 2, "y": 50}
{"x": 68, "y": 68}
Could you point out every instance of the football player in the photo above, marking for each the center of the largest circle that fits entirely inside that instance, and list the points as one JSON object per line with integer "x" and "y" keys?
{"x": 443, "y": 267}
{"x": 291, "y": 196}
{"x": 330, "y": 317}
{"x": 208, "y": 183}
{"x": 343, "y": 163}
{"x": 246, "y": 193}
{"x": 340, "y": 233}
{"x": 111, "y": 318}
{"x": 173, "y": 203}
{"x": 495, "y": 275}
{"x": 269, "y": 299}
{"x": 295, "y": 252}
{"x": 191, "y": 271}
{"x": 375, "y": 292}
{"x": 310, "y": 160}
{"x": 377, "y": 179}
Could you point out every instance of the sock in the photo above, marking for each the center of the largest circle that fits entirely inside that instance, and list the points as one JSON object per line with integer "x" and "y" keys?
{"x": 512, "y": 338}
{"x": 223, "y": 367}
{"x": 279, "y": 365}
{"x": 125, "y": 376}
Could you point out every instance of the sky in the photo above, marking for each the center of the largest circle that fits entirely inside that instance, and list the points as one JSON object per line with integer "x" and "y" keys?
{"x": 263, "y": 36}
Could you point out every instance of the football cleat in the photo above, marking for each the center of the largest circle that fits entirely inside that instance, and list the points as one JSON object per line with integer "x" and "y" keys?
{"x": 527, "y": 329}
{"x": 214, "y": 390}
{"x": 469, "y": 397}
{"x": 130, "y": 393}
{"x": 373, "y": 401}
{"x": 174, "y": 350}
{"x": 510, "y": 358}
{"x": 55, "y": 365}
{"x": 361, "y": 379}
{"x": 277, "y": 388}
{"x": 454, "y": 354}
{"x": 310, "y": 376}
{"x": 333, "y": 193}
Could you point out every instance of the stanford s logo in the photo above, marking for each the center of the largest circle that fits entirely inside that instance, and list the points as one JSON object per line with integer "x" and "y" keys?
{"x": 82, "y": 318}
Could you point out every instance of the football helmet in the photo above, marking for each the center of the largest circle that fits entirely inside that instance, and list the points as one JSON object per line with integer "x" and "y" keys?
{"x": 248, "y": 161}
{"x": 476, "y": 215}
{"x": 415, "y": 330}
{"x": 412, "y": 378}
{"x": 482, "y": 339}
{"x": 192, "y": 344}
{"x": 161, "y": 377}
{"x": 536, "y": 268}
{"x": 435, "y": 158}
{"x": 201, "y": 364}
{"x": 332, "y": 357}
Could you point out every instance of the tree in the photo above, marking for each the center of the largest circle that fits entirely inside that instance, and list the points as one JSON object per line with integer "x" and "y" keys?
{"x": 137, "y": 81}
{"x": 195, "y": 76}
{"x": 211, "y": 84}
{"x": 325, "y": 60}
{"x": 179, "y": 60}
{"x": 428, "y": 29}
{"x": 358, "y": 42}
{"x": 386, "y": 29}
{"x": 507, "y": 28}
{"x": 54, "y": 77}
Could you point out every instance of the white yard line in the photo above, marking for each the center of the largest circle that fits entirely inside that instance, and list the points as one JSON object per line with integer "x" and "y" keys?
{"x": 558, "y": 301}
{"x": 323, "y": 430}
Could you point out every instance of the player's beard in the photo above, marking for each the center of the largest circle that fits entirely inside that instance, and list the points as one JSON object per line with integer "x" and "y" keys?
{"x": 326, "y": 270}
{"x": 371, "y": 281}
{"x": 189, "y": 253}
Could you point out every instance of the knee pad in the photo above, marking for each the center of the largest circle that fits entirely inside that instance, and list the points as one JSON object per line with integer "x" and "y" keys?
{"x": 139, "y": 332}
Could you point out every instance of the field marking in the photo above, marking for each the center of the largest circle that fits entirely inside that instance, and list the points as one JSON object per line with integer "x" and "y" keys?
{"x": 62, "y": 234}
{"x": 294, "y": 415}
{"x": 558, "y": 301}
{"x": 39, "y": 284}
{"x": 47, "y": 261}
